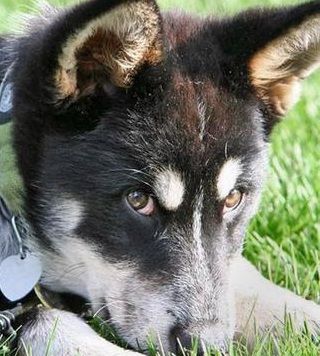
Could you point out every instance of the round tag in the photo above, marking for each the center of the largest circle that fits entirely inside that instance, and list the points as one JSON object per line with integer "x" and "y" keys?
{"x": 6, "y": 98}
{"x": 19, "y": 276}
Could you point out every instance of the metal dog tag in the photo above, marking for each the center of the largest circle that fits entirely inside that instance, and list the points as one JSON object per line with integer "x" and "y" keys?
{"x": 19, "y": 276}
{"x": 6, "y": 94}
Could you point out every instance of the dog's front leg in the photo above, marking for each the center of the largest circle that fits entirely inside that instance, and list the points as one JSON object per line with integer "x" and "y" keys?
{"x": 261, "y": 306}
{"x": 55, "y": 332}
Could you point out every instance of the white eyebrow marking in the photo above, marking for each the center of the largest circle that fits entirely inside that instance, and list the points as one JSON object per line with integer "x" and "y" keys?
{"x": 228, "y": 176}
{"x": 169, "y": 188}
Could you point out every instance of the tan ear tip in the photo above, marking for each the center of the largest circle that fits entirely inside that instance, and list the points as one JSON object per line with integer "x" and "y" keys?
{"x": 115, "y": 45}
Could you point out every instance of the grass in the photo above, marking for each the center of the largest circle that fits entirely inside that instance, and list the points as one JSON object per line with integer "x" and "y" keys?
{"x": 284, "y": 238}
{"x": 288, "y": 225}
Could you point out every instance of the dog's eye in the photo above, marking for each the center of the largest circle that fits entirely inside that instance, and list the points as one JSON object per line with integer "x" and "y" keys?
{"x": 141, "y": 202}
{"x": 232, "y": 201}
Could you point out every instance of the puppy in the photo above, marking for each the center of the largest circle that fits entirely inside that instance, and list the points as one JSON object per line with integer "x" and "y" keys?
{"x": 142, "y": 141}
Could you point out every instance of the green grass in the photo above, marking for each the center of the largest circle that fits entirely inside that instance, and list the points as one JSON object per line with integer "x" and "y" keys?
{"x": 288, "y": 225}
{"x": 284, "y": 238}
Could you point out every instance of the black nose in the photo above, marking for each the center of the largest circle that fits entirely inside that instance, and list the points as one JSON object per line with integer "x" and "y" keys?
{"x": 185, "y": 342}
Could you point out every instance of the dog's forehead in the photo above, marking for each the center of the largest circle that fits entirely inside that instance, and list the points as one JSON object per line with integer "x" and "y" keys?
{"x": 195, "y": 123}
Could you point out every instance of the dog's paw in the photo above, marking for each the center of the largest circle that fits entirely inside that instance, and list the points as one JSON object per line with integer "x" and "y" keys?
{"x": 262, "y": 306}
{"x": 55, "y": 332}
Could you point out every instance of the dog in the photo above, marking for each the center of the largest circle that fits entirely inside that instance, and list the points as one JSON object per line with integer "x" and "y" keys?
{"x": 142, "y": 141}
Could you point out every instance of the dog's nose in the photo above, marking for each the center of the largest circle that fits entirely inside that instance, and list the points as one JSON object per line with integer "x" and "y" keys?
{"x": 185, "y": 341}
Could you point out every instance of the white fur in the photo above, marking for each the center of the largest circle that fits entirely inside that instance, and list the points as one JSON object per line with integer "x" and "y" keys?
{"x": 65, "y": 216}
{"x": 169, "y": 188}
{"x": 228, "y": 176}
{"x": 197, "y": 226}
{"x": 57, "y": 332}
{"x": 79, "y": 265}
{"x": 83, "y": 270}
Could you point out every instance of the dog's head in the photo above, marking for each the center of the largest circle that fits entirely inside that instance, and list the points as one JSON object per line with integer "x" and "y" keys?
{"x": 142, "y": 140}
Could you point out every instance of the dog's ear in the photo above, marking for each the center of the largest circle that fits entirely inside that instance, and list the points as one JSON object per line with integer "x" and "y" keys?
{"x": 277, "y": 69}
{"x": 276, "y": 48}
{"x": 102, "y": 41}
{"x": 287, "y": 52}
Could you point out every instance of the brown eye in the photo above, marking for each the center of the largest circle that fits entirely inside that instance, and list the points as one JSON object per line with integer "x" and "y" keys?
{"x": 141, "y": 202}
{"x": 232, "y": 201}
